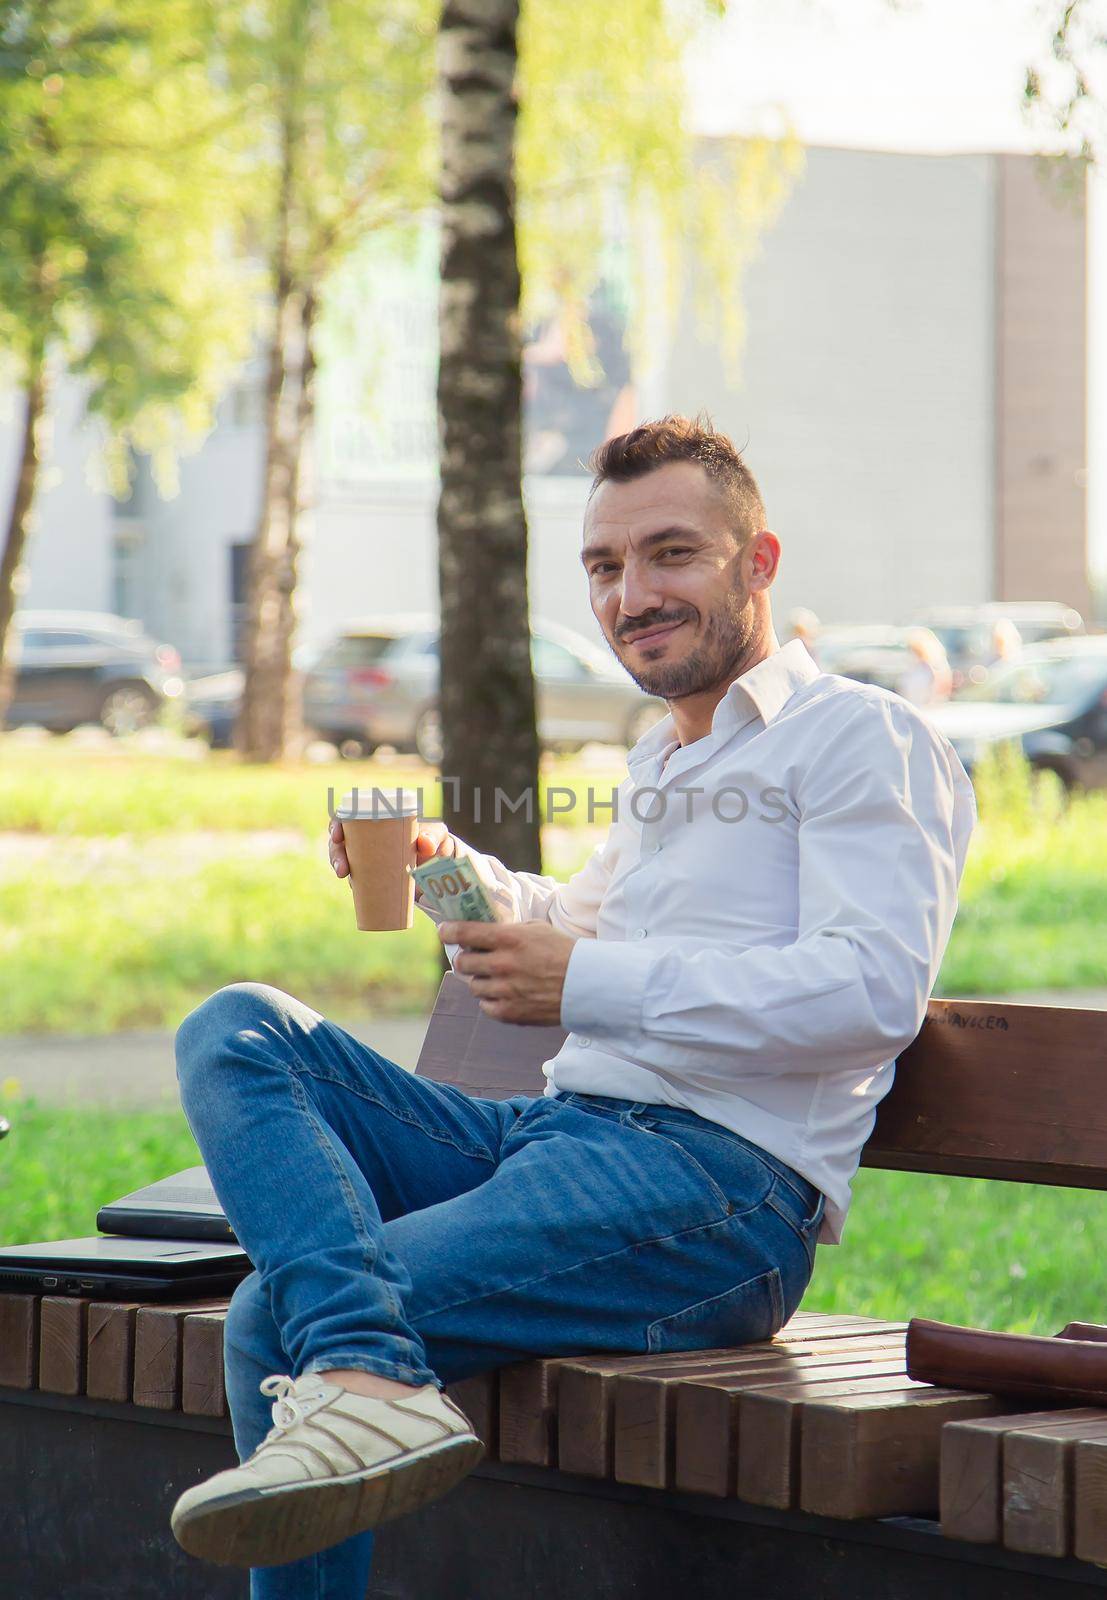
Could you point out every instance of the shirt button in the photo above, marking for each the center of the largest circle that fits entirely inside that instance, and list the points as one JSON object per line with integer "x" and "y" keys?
{"x": 639, "y": 933}
{"x": 584, "y": 1042}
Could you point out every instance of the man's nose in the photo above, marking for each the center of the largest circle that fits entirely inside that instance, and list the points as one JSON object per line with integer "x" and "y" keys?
{"x": 640, "y": 590}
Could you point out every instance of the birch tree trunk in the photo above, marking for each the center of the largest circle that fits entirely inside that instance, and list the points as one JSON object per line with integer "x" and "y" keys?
{"x": 19, "y": 517}
{"x": 268, "y": 717}
{"x": 487, "y": 695}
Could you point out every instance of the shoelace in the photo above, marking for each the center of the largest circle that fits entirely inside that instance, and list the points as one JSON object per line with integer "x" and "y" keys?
{"x": 287, "y": 1410}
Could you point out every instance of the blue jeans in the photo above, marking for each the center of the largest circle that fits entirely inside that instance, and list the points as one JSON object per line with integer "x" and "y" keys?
{"x": 400, "y": 1226}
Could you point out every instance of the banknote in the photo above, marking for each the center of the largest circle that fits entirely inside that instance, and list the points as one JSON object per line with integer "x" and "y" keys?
{"x": 448, "y": 884}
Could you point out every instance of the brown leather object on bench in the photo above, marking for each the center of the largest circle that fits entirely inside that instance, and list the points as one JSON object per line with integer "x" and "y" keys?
{"x": 1068, "y": 1370}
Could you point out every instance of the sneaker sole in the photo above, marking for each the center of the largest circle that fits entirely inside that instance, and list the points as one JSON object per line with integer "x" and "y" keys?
{"x": 270, "y": 1527}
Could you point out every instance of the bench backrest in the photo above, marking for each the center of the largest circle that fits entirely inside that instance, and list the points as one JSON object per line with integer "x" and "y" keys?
{"x": 987, "y": 1090}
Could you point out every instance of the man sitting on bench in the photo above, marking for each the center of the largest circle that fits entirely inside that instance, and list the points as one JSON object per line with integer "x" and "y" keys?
{"x": 739, "y": 963}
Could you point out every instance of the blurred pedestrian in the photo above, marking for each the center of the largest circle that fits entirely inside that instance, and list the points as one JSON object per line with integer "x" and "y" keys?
{"x": 1006, "y": 642}
{"x": 927, "y": 680}
{"x": 804, "y": 625}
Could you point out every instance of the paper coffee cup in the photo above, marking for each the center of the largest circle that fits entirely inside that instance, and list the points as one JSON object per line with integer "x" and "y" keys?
{"x": 380, "y": 827}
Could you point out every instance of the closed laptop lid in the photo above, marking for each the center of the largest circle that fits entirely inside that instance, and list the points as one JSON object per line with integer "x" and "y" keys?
{"x": 182, "y": 1206}
{"x": 167, "y": 1257}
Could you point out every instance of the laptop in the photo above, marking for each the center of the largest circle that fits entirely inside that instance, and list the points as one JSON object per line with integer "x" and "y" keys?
{"x": 167, "y": 1241}
{"x": 182, "y": 1206}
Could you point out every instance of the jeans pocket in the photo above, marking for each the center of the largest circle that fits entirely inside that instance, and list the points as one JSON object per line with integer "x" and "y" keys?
{"x": 751, "y": 1311}
{"x": 738, "y": 1178}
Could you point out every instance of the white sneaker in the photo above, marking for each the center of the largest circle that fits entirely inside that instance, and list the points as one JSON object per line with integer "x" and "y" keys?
{"x": 333, "y": 1464}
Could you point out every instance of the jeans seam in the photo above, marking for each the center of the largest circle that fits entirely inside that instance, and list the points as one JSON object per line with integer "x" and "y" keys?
{"x": 344, "y": 1184}
{"x": 798, "y": 1228}
{"x": 439, "y": 1136}
{"x": 589, "y": 1261}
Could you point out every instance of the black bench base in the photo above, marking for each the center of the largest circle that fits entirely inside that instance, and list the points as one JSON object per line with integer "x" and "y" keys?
{"x": 86, "y": 1488}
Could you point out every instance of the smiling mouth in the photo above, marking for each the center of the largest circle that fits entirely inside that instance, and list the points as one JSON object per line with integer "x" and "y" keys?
{"x": 656, "y": 635}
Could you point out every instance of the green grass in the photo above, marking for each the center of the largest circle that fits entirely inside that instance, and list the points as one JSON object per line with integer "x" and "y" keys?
{"x": 135, "y": 888}
{"x": 81, "y": 955}
{"x": 962, "y": 1250}
{"x": 58, "y": 1167}
{"x": 62, "y": 790}
{"x": 1031, "y": 905}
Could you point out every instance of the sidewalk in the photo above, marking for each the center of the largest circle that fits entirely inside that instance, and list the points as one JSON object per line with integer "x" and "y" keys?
{"x": 138, "y": 1070}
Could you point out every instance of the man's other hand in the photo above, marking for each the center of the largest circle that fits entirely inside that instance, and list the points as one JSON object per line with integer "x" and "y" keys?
{"x": 433, "y": 839}
{"x": 515, "y": 969}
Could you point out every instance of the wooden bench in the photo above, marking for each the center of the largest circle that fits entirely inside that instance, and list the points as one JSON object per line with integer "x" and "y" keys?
{"x": 809, "y": 1463}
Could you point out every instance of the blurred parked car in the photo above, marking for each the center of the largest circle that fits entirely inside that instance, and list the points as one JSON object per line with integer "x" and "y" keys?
{"x": 967, "y": 633}
{"x": 88, "y": 666}
{"x": 868, "y": 652}
{"x": 376, "y": 682}
{"x": 1053, "y": 700}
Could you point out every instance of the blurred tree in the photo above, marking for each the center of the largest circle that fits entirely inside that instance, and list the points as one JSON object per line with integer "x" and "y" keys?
{"x": 113, "y": 254}
{"x": 336, "y": 98}
{"x": 1065, "y": 88}
{"x": 592, "y": 127}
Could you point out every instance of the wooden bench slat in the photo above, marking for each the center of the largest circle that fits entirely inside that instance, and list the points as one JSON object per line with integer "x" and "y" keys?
{"x": 971, "y": 1472}
{"x": 878, "y": 1455}
{"x": 770, "y": 1430}
{"x": 1038, "y": 1485}
{"x": 158, "y": 1334}
{"x": 645, "y": 1403}
{"x": 1090, "y": 1493}
{"x": 478, "y": 1397}
{"x": 707, "y": 1410}
{"x": 111, "y": 1350}
{"x": 586, "y": 1397}
{"x": 61, "y": 1350}
{"x": 202, "y": 1390}
{"x": 19, "y": 1323}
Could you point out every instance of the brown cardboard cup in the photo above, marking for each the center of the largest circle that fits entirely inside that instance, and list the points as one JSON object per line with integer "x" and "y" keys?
{"x": 380, "y": 848}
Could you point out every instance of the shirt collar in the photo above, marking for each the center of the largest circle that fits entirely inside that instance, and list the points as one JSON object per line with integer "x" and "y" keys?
{"x": 763, "y": 691}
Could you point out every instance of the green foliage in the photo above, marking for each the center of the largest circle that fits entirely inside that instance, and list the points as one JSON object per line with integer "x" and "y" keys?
{"x": 114, "y": 214}
{"x": 606, "y": 148}
{"x": 336, "y": 101}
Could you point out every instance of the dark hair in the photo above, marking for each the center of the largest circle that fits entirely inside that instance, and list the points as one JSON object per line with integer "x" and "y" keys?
{"x": 656, "y": 444}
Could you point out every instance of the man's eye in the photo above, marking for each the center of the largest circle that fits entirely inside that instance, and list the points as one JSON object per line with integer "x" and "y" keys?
{"x": 601, "y": 567}
{"x": 675, "y": 550}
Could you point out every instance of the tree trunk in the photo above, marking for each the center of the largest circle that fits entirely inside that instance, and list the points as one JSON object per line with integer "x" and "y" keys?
{"x": 19, "y": 519}
{"x": 268, "y": 719}
{"x": 487, "y": 686}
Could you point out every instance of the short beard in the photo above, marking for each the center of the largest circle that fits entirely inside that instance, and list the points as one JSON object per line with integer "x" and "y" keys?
{"x": 729, "y": 636}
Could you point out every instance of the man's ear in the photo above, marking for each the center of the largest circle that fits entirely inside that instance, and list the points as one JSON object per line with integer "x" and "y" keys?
{"x": 763, "y": 557}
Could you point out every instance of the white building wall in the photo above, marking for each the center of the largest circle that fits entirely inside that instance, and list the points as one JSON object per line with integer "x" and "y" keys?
{"x": 179, "y": 567}
{"x": 68, "y": 559}
{"x": 865, "y": 396}
{"x": 382, "y": 556}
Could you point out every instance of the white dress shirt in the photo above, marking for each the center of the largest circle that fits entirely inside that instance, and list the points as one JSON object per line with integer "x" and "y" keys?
{"x": 759, "y": 933}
